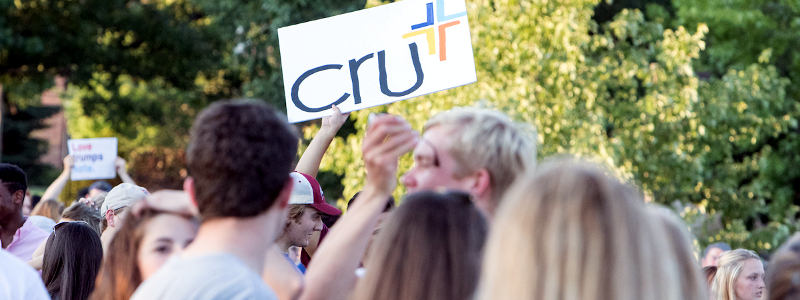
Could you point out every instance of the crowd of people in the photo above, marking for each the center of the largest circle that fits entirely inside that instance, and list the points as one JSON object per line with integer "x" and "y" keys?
{"x": 480, "y": 221}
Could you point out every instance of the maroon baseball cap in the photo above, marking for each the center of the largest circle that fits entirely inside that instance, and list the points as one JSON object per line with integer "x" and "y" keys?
{"x": 306, "y": 190}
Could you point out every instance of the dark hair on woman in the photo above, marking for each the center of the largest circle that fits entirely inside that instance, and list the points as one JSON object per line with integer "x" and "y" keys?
{"x": 429, "y": 248}
{"x": 710, "y": 272}
{"x": 72, "y": 258}
{"x": 120, "y": 275}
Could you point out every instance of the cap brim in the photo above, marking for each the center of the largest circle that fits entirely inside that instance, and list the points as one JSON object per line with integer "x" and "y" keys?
{"x": 327, "y": 209}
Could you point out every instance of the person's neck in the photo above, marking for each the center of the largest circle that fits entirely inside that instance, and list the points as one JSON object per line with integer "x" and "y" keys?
{"x": 9, "y": 226}
{"x": 246, "y": 238}
{"x": 283, "y": 243}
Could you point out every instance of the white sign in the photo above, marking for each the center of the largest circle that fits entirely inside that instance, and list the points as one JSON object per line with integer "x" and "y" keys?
{"x": 375, "y": 56}
{"x": 94, "y": 158}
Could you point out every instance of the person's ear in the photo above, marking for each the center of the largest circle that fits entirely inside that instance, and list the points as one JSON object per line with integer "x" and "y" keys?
{"x": 110, "y": 218}
{"x": 285, "y": 194}
{"x": 18, "y": 197}
{"x": 481, "y": 186}
{"x": 188, "y": 187}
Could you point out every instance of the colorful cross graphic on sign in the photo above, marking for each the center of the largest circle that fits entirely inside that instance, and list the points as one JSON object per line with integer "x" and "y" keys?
{"x": 429, "y": 32}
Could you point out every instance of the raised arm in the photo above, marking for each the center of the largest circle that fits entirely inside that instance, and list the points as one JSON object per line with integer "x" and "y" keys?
{"x": 122, "y": 170}
{"x": 331, "y": 274}
{"x": 52, "y": 191}
{"x": 312, "y": 157}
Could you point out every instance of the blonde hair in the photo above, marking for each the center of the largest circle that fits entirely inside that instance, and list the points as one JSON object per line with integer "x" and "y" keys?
{"x": 571, "y": 232}
{"x": 487, "y": 139}
{"x": 48, "y": 208}
{"x": 729, "y": 268}
{"x": 693, "y": 284}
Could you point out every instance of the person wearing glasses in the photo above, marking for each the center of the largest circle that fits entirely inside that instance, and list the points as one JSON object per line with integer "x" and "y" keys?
{"x": 19, "y": 236}
{"x": 72, "y": 259}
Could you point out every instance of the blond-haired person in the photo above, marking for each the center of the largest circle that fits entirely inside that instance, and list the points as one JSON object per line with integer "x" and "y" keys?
{"x": 693, "y": 284}
{"x": 586, "y": 236}
{"x": 478, "y": 151}
{"x": 740, "y": 276}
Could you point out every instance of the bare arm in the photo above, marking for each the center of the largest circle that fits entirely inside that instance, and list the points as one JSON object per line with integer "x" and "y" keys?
{"x": 52, "y": 191}
{"x": 122, "y": 170}
{"x": 331, "y": 274}
{"x": 312, "y": 157}
{"x": 281, "y": 275}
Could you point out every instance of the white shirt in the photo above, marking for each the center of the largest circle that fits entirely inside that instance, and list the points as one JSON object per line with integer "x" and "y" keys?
{"x": 208, "y": 277}
{"x": 18, "y": 281}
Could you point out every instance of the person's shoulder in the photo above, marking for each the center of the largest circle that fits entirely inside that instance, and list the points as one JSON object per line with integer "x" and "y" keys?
{"x": 34, "y": 232}
{"x": 18, "y": 280}
{"x": 219, "y": 276}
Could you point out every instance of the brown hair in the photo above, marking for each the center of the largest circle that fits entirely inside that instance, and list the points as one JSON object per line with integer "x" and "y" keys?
{"x": 710, "y": 272}
{"x": 429, "y": 248}
{"x": 240, "y": 155}
{"x": 48, "y": 208}
{"x": 572, "y": 232}
{"x": 82, "y": 212}
{"x": 72, "y": 258}
{"x": 120, "y": 275}
{"x": 783, "y": 274}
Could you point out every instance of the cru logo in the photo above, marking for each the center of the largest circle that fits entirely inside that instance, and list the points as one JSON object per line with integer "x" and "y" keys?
{"x": 429, "y": 34}
{"x": 329, "y": 61}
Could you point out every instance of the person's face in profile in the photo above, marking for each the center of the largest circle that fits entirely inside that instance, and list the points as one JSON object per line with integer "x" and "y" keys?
{"x": 300, "y": 231}
{"x": 434, "y": 167}
{"x": 750, "y": 283}
{"x": 712, "y": 257}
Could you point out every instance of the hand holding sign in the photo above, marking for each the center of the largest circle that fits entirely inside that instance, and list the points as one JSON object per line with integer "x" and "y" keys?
{"x": 375, "y": 56}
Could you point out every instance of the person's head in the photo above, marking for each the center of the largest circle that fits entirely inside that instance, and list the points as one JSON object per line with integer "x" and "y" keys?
{"x": 49, "y": 208}
{"x": 307, "y": 205}
{"x": 570, "y": 231}
{"x": 239, "y": 158}
{"x": 13, "y": 185}
{"x": 82, "y": 212}
{"x": 712, "y": 252}
{"x": 429, "y": 248}
{"x": 98, "y": 187}
{"x": 98, "y": 201}
{"x": 740, "y": 276}
{"x": 72, "y": 258}
{"x": 139, "y": 248}
{"x": 783, "y": 275}
{"x": 118, "y": 200}
{"x": 681, "y": 244}
{"x": 475, "y": 150}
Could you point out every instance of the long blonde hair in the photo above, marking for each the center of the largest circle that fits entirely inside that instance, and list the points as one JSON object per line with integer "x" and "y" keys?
{"x": 729, "y": 268}
{"x": 693, "y": 284}
{"x": 572, "y": 232}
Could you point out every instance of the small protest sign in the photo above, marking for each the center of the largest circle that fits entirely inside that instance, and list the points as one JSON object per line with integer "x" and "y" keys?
{"x": 94, "y": 158}
{"x": 375, "y": 56}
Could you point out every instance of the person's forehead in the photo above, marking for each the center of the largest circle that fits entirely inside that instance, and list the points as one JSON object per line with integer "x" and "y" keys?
{"x": 434, "y": 140}
{"x": 752, "y": 266}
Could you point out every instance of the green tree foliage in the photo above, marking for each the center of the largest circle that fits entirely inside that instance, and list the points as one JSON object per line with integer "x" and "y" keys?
{"x": 625, "y": 93}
